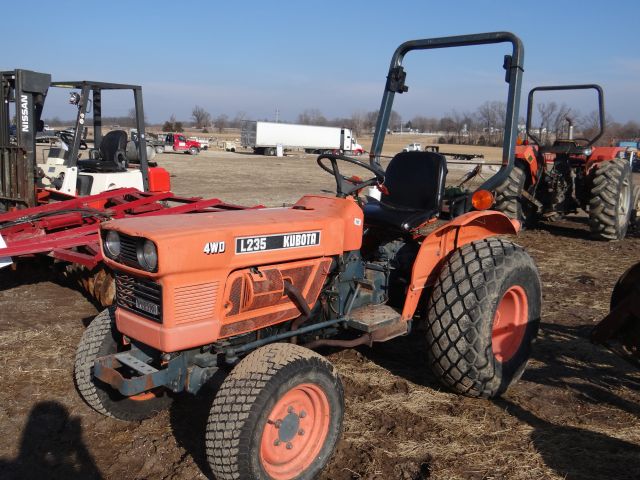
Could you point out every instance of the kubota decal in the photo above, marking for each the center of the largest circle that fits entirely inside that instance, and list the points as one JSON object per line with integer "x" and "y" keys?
{"x": 280, "y": 241}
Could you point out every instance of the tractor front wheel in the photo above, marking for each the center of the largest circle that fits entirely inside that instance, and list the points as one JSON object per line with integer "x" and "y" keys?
{"x": 483, "y": 315}
{"x": 278, "y": 415}
{"x": 611, "y": 200}
{"x": 99, "y": 339}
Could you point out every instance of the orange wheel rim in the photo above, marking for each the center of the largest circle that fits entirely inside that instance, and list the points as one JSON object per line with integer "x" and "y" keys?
{"x": 509, "y": 323}
{"x": 295, "y": 432}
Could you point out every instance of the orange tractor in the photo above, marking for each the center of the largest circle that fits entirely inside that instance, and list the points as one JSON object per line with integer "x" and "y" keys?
{"x": 253, "y": 292}
{"x": 551, "y": 181}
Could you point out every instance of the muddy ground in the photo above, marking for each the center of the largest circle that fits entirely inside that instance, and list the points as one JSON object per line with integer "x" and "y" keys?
{"x": 574, "y": 415}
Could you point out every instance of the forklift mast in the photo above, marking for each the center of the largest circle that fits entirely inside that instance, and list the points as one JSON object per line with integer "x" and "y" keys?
{"x": 27, "y": 90}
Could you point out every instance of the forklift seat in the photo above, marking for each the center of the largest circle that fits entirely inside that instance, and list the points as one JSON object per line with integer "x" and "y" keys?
{"x": 112, "y": 154}
{"x": 415, "y": 183}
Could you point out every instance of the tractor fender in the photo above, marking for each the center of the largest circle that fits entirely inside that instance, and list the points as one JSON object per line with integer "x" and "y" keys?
{"x": 602, "y": 154}
{"x": 440, "y": 243}
{"x": 527, "y": 154}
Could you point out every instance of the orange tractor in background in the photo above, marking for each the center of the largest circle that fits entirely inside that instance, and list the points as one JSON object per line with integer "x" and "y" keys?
{"x": 253, "y": 292}
{"x": 549, "y": 182}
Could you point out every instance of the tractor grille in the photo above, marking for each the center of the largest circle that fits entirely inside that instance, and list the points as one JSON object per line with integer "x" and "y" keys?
{"x": 194, "y": 303}
{"x": 140, "y": 296}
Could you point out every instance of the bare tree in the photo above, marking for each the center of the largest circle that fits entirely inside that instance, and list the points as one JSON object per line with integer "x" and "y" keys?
{"x": 312, "y": 116}
{"x": 563, "y": 117}
{"x": 487, "y": 118}
{"x": 238, "y": 119}
{"x": 356, "y": 122}
{"x": 221, "y": 122}
{"x": 394, "y": 120}
{"x": 370, "y": 119}
{"x": 201, "y": 117}
{"x": 546, "y": 112}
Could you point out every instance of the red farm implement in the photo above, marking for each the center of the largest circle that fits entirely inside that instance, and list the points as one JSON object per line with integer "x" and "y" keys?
{"x": 68, "y": 231}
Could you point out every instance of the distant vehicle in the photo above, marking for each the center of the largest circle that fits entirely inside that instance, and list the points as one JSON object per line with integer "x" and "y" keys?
{"x": 412, "y": 147}
{"x": 204, "y": 142}
{"x": 177, "y": 142}
{"x": 227, "y": 146}
{"x": 264, "y": 137}
{"x": 633, "y": 153}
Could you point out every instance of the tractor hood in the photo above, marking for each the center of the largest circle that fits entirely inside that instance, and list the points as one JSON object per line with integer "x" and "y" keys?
{"x": 316, "y": 226}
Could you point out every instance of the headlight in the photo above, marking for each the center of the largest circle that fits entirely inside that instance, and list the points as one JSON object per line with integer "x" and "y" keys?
{"x": 112, "y": 244}
{"x": 148, "y": 255}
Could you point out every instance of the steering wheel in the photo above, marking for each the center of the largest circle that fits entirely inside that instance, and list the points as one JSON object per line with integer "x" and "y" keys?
{"x": 66, "y": 138}
{"x": 346, "y": 186}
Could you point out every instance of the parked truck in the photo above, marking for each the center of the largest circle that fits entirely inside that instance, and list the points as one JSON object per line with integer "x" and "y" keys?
{"x": 264, "y": 138}
{"x": 177, "y": 142}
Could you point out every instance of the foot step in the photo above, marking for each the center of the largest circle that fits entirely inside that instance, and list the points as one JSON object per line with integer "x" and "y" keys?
{"x": 370, "y": 318}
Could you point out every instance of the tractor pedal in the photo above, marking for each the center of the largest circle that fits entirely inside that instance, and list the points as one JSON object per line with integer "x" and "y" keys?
{"x": 370, "y": 318}
{"x": 136, "y": 364}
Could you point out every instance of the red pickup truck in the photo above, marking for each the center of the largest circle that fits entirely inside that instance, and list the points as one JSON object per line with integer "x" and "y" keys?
{"x": 177, "y": 142}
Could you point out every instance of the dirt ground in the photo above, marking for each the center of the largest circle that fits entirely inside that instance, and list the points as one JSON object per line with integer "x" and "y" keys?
{"x": 574, "y": 415}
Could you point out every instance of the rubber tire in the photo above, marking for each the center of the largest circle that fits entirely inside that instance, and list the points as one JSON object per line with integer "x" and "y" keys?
{"x": 159, "y": 149}
{"x": 247, "y": 396}
{"x": 509, "y": 194}
{"x": 461, "y": 312}
{"x": 193, "y": 151}
{"x": 604, "y": 202}
{"x": 99, "y": 339}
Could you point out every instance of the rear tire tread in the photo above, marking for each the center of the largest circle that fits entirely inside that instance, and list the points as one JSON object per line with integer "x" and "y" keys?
{"x": 603, "y": 204}
{"x": 464, "y": 297}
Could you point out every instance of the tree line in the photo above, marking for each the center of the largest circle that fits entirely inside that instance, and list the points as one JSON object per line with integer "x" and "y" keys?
{"x": 483, "y": 126}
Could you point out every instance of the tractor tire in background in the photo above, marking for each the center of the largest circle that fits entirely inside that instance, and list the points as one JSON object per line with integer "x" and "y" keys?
{"x": 611, "y": 200}
{"x": 98, "y": 283}
{"x": 483, "y": 315}
{"x": 509, "y": 195}
{"x": 99, "y": 339}
{"x": 277, "y": 415}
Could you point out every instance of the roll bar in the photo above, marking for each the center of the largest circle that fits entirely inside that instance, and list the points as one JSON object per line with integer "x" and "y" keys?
{"x": 586, "y": 86}
{"x": 513, "y": 64}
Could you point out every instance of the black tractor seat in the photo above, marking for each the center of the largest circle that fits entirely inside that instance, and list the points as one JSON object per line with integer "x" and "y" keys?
{"x": 111, "y": 152}
{"x": 415, "y": 183}
{"x": 567, "y": 147}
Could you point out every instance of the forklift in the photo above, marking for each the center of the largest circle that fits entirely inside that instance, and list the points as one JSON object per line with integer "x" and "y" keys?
{"x": 25, "y": 182}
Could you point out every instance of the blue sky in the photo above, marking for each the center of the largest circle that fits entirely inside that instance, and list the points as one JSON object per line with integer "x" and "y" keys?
{"x": 258, "y": 56}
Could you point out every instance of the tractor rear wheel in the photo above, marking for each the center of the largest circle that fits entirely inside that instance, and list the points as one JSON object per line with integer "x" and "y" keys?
{"x": 611, "y": 199}
{"x": 99, "y": 339}
{"x": 483, "y": 315}
{"x": 509, "y": 195}
{"x": 278, "y": 415}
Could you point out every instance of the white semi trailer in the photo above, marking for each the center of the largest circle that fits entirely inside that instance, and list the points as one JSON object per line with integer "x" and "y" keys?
{"x": 264, "y": 138}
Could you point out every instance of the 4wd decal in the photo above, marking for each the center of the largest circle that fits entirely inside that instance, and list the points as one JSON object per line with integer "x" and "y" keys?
{"x": 211, "y": 248}
{"x": 280, "y": 241}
